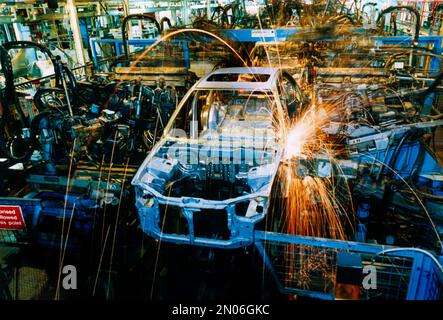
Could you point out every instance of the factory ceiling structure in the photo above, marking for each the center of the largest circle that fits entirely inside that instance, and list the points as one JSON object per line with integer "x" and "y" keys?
{"x": 215, "y": 150}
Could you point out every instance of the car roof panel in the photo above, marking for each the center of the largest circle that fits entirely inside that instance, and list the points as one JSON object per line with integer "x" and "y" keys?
{"x": 241, "y": 85}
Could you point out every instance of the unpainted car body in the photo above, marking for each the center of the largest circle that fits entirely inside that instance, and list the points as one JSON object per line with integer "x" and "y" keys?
{"x": 208, "y": 181}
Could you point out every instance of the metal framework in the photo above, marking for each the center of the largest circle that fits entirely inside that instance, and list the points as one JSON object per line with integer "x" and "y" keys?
{"x": 409, "y": 275}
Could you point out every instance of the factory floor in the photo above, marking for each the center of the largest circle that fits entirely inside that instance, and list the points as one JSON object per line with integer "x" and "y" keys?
{"x": 179, "y": 272}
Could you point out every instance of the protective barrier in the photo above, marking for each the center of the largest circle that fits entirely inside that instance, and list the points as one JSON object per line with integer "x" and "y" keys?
{"x": 308, "y": 267}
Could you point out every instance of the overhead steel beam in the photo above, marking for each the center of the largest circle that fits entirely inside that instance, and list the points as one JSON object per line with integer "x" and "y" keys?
{"x": 75, "y": 28}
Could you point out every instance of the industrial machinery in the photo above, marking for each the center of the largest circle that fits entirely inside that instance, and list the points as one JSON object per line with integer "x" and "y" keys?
{"x": 365, "y": 136}
{"x": 68, "y": 153}
{"x": 90, "y": 116}
{"x": 149, "y": 67}
{"x": 45, "y": 137}
{"x": 22, "y": 64}
{"x": 305, "y": 136}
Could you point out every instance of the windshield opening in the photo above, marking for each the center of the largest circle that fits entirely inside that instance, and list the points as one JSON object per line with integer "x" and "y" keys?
{"x": 223, "y": 111}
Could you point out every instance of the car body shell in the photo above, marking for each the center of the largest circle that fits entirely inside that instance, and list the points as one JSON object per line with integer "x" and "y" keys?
{"x": 149, "y": 199}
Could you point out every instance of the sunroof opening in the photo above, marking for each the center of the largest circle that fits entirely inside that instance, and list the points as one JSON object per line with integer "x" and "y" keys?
{"x": 238, "y": 77}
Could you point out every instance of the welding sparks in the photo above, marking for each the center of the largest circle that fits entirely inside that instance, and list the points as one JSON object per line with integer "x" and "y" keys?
{"x": 312, "y": 205}
{"x": 306, "y": 132}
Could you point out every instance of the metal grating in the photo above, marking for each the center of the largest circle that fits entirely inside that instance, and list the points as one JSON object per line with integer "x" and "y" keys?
{"x": 435, "y": 290}
{"x": 32, "y": 284}
{"x": 305, "y": 269}
{"x": 393, "y": 276}
{"x": 302, "y": 267}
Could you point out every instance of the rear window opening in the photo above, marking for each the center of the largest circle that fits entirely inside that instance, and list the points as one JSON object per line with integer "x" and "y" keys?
{"x": 239, "y": 77}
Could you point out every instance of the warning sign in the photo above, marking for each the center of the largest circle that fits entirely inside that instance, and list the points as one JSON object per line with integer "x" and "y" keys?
{"x": 11, "y": 218}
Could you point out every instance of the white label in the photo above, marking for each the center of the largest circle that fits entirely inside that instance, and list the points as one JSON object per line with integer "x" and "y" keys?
{"x": 399, "y": 65}
{"x": 262, "y": 33}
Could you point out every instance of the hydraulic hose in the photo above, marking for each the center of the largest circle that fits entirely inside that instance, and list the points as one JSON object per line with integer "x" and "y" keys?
{"x": 142, "y": 16}
{"x": 162, "y": 23}
{"x": 410, "y": 9}
{"x": 433, "y": 85}
{"x": 437, "y": 263}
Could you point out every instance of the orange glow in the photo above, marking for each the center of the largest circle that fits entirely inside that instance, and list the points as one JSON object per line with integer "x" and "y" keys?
{"x": 312, "y": 206}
